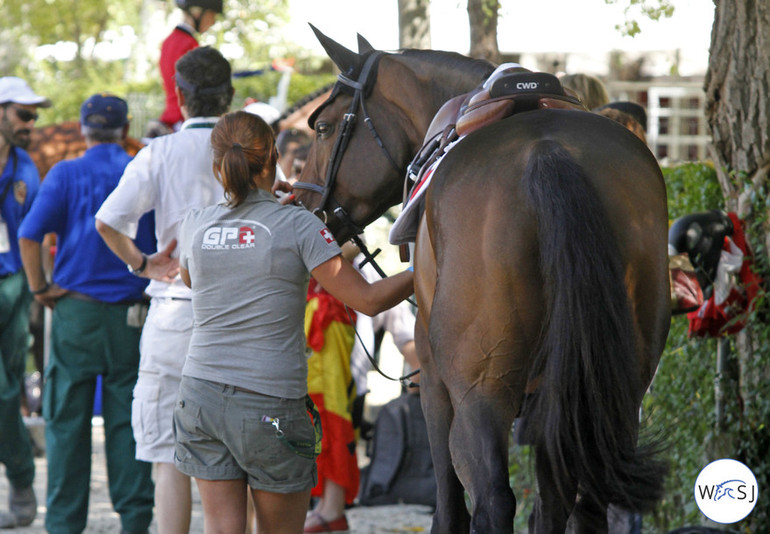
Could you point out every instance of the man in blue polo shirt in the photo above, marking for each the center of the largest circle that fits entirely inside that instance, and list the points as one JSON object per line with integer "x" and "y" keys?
{"x": 98, "y": 312}
{"x": 19, "y": 182}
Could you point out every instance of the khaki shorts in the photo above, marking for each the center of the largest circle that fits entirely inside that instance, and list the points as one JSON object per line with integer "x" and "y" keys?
{"x": 163, "y": 349}
{"x": 223, "y": 433}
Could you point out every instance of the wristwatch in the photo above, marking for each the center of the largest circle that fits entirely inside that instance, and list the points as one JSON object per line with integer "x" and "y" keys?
{"x": 139, "y": 270}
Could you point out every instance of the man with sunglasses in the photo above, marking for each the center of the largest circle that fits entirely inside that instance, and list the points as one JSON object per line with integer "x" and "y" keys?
{"x": 19, "y": 182}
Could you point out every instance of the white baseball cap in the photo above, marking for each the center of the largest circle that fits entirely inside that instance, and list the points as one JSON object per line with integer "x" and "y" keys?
{"x": 16, "y": 90}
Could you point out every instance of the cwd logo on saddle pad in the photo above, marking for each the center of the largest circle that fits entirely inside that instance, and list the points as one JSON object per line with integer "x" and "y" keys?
{"x": 726, "y": 491}
{"x": 224, "y": 238}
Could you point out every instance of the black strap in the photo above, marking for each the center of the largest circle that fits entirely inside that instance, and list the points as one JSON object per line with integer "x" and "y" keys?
{"x": 12, "y": 154}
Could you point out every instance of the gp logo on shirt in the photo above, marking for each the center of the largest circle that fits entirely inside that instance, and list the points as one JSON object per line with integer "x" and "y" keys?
{"x": 228, "y": 237}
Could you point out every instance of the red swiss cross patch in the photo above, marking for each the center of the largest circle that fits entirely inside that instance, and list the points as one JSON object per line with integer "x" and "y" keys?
{"x": 327, "y": 235}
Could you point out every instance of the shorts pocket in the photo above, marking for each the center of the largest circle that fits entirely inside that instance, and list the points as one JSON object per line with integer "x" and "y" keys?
{"x": 144, "y": 412}
{"x": 187, "y": 427}
{"x": 268, "y": 445}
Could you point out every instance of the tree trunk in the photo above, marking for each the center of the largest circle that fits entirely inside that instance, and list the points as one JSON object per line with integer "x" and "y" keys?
{"x": 737, "y": 111}
{"x": 738, "y": 116}
{"x": 414, "y": 24}
{"x": 482, "y": 15}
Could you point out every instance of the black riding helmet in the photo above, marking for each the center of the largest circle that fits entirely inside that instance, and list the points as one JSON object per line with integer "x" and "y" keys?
{"x": 212, "y": 5}
{"x": 205, "y": 5}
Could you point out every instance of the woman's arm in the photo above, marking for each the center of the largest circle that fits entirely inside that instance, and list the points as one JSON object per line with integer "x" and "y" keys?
{"x": 342, "y": 280}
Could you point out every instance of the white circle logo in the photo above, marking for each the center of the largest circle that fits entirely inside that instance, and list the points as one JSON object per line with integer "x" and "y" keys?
{"x": 726, "y": 491}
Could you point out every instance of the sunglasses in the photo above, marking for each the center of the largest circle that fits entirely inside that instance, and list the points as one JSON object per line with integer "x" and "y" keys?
{"x": 25, "y": 115}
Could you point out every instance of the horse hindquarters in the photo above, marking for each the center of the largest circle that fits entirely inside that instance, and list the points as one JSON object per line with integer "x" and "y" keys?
{"x": 587, "y": 406}
{"x": 484, "y": 321}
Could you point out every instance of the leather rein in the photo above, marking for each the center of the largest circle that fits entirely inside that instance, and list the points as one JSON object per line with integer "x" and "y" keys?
{"x": 358, "y": 88}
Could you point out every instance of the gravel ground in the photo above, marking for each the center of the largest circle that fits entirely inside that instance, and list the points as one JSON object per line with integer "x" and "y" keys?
{"x": 102, "y": 519}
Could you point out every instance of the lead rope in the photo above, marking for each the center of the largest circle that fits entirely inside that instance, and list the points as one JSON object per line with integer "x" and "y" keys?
{"x": 369, "y": 258}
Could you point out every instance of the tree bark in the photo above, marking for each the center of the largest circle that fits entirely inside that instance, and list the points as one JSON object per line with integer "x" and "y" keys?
{"x": 737, "y": 108}
{"x": 482, "y": 15}
{"x": 414, "y": 24}
{"x": 738, "y": 119}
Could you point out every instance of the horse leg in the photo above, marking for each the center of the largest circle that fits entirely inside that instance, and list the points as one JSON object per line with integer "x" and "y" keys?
{"x": 549, "y": 515}
{"x": 451, "y": 515}
{"x": 479, "y": 444}
{"x": 483, "y": 385}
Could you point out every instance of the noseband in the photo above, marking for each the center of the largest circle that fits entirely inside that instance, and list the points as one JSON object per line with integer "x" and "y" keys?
{"x": 358, "y": 89}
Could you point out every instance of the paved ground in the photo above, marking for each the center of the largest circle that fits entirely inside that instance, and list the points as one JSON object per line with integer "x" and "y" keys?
{"x": 102, "y": 519}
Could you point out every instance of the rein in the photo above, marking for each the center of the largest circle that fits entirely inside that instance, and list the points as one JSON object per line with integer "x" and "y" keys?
{"x": 346, "y": 127}
{"x": 369, "y": 258}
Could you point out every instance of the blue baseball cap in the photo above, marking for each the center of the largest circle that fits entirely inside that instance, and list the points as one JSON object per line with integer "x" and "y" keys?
{"x": 104, "y": 111}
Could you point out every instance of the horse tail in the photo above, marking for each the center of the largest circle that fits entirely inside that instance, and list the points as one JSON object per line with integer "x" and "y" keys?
{"x": 585, "y": 413}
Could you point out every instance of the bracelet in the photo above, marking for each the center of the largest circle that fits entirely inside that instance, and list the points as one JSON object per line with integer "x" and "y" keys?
{"x": 42, "y": 290}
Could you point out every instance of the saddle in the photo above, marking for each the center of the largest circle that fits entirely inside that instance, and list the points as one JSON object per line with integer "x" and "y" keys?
{"x": 510, "y": 93}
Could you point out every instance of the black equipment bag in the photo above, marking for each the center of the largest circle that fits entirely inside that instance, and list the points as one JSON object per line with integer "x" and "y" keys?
{"x": 401, "y": 469}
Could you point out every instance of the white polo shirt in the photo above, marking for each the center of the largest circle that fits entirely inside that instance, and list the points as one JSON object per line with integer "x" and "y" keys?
{"x": 171, "y": 175}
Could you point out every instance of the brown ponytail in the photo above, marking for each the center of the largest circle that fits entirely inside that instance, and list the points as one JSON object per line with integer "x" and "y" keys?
{"x": 244, "y": 149}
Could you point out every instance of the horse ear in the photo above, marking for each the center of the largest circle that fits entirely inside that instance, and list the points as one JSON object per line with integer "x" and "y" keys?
{"x": 363, "y": 45}
{"x": 346, "y": 60}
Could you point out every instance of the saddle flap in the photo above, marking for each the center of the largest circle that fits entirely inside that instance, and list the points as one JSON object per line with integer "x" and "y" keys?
{"x": 484, "y": 113}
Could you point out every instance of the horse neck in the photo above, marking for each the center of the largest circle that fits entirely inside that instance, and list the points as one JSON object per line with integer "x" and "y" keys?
{"x": 422, "y": 80}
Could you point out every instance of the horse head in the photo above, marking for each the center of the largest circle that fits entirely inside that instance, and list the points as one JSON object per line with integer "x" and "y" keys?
{"x": 370, "y": 127}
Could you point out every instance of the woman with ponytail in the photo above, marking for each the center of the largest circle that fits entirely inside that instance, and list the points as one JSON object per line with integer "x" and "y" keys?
{"x": 243, "y": 415}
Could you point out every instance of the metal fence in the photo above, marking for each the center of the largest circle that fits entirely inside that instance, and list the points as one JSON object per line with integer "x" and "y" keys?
{"x": 676, "y": 120}
{"x": 143, "y": 108}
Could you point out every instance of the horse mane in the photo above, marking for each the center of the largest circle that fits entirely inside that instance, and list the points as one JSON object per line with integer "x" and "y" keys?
{"x": 463, "y": 69}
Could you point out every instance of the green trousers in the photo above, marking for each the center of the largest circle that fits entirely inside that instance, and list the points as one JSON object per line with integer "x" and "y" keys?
{"x": 90, "y": 338}
{"x": 15, "y": 445}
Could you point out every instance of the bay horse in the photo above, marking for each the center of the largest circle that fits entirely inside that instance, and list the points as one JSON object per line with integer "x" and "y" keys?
{"x": 540, "y": 266}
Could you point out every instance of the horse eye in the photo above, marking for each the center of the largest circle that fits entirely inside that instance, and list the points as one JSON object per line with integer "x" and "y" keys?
{"x": 323, "y": 129}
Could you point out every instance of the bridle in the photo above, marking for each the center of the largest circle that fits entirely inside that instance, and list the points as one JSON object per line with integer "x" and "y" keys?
{"x": 359, "y": 89}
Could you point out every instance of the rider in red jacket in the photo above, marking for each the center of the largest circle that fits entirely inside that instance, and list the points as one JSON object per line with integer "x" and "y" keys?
{"x": 199, "y": 16}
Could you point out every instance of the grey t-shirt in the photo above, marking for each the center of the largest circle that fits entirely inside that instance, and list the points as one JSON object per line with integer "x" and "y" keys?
{"x": 250, "y": 267}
